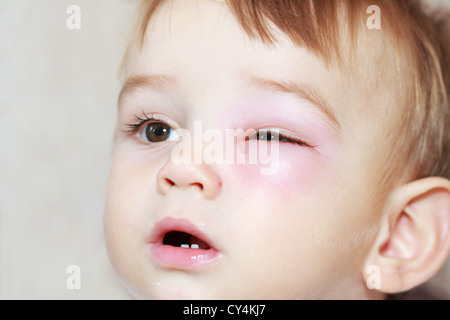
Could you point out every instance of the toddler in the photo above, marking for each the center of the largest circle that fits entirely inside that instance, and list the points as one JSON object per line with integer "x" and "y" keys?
{"x": 283, "y": 149}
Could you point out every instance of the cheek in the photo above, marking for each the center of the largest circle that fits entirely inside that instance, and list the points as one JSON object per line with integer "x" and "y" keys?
{"x": 131, "y": 187}
{"x": 126, "y": 222}
{"x": 292, "y": 171}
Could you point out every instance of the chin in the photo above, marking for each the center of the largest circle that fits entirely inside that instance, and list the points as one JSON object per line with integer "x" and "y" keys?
{"x": 175, "y": 290}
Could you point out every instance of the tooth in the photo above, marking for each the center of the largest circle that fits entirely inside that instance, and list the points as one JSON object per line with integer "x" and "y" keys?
{"x": 194, "y": 246}
{"x": 185, "y": 246}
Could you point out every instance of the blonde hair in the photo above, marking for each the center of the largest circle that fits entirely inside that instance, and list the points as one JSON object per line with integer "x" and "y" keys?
{"x": 421, "y": 43}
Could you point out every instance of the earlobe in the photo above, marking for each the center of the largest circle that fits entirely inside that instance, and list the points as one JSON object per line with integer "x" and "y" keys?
{"x": 414, "y": 237}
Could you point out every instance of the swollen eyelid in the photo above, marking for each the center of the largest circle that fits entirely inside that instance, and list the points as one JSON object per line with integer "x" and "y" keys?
{"x": 275, "y": 135}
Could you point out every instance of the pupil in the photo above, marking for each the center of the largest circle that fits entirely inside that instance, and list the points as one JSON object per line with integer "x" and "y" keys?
{"x": 159, "y": 130}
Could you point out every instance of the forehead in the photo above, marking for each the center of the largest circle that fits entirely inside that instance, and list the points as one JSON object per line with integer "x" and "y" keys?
{"x": 187, "y": 30}
{"x": 203, "y": 38}
{"x": 211, "y": 26}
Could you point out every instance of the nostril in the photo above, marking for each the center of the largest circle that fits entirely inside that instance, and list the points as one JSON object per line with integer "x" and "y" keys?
{"x": 170, "y": 182}
{"x": 197, "y": 184}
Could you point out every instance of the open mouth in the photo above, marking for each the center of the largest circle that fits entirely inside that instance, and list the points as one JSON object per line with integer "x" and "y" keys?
{"x": 177, "y": 243}
{"x": 184, "y": 240}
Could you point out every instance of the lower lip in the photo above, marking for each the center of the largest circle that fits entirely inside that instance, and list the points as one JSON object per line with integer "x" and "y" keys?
{"x": 182, "y": 258}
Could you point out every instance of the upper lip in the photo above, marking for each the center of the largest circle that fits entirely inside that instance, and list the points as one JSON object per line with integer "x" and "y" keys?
{"x": 168, "y": 224}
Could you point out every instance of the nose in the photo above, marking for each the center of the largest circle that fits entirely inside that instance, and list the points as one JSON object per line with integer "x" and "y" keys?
{"x": 200, "y": 176}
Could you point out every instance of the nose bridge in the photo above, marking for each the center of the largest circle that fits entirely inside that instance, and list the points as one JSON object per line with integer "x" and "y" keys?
{"x": 187, "y": 168}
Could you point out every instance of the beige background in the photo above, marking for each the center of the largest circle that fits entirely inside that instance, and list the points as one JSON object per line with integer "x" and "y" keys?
{"x": 58, "y": 91}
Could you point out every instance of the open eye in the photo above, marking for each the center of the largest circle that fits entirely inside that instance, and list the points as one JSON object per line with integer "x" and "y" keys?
{"x": 152, "y": 130}
{"x": 275, "y": 135}
{"x": 157, "y": 132}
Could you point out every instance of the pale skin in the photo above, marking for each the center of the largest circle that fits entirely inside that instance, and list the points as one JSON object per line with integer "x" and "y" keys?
{"x": 308, "y": 232}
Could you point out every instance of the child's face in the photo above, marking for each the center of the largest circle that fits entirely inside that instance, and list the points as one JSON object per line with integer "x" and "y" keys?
{"x": 302, "y": 232}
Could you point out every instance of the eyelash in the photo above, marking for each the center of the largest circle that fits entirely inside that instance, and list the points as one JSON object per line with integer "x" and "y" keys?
{"x": 284, "y": 138}
{"x": 141, "y": 120}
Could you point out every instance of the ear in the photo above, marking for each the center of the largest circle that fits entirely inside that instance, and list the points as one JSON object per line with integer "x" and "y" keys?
{"x": 414, "y": 237}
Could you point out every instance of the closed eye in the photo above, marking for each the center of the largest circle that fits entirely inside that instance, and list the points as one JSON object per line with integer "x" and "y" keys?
{"x": 273, "y": 135}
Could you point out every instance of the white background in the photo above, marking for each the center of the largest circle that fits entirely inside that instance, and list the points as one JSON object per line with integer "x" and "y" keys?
{"x": 58, "y": 92}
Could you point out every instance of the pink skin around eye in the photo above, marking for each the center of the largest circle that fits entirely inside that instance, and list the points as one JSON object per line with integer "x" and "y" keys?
{"x": 299, "y": 168}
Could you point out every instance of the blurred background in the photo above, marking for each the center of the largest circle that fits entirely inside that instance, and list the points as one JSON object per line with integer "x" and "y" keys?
{"x": 58, "y": 92}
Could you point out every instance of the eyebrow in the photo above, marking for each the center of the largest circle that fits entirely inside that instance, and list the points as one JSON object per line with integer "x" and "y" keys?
{"x": 156, "y": 81}
{"x": 302, "y": 90}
